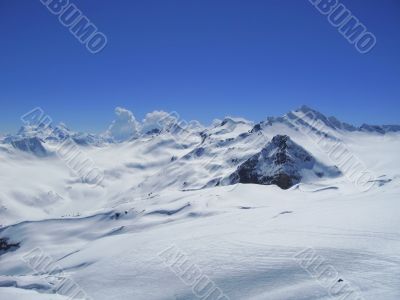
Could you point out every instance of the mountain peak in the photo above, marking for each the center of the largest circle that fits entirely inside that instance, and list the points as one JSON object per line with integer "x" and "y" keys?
{"x": 234, "y": 120}
{"x": 281, "y": 162}
{"x": 310, "y": 112}
{"x": 313, "y": 116}
{"x": 305, "y": 108}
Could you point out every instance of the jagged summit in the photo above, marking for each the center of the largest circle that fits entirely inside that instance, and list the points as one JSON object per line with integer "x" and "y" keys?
{"x": 280, "y": 162}
{"x": 317, "y": 121}
{"x": 310, "y": 117}
{"x": 33, "y": 138}
{"x": 126, "y": 128}
{"x": 42, "y": 131}
{"x": 382, "y": 129}
{"x": 31, "y": 145}
{"x": 305, "y": 108}
{"x": 234, "y": 120}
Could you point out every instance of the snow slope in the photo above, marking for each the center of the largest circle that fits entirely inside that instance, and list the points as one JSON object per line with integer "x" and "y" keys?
{"x": 160, "y": 191}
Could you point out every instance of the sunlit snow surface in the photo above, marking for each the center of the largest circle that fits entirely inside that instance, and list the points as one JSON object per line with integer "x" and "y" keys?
{"x": 108, "y": 238}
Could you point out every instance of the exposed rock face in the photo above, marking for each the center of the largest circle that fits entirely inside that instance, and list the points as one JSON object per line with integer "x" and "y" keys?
{"x": 31, "y": 145}
{"x": 280, "y": 162}
{"x": 6, "y": 246}
{"x": 382, "y": 129}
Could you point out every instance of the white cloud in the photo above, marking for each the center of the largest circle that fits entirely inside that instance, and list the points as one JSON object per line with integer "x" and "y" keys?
{"x": 124, "y": 126}
{"x": 158, "y": 120}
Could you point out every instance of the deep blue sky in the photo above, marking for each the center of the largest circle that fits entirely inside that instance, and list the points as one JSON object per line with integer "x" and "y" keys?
{"x": 204, "y": 59}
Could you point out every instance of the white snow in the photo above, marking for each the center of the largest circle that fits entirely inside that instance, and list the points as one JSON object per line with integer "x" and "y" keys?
{"x": 107, "y": 238}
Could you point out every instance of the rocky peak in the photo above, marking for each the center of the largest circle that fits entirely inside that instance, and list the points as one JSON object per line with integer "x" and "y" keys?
{"x": 280, "y": 162}
{"x": 31, "y": 145}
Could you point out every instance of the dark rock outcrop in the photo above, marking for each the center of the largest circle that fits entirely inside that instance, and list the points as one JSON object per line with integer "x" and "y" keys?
{"x": 382, "y": 129}
{"x": 280, "y": 162}
{"x": 5, "y": 246}
{"x": 31, "y": 145}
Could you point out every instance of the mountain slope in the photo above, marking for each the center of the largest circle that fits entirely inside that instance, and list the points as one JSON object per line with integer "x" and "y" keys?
{"x": 171, "y": 187}
{"x": 280, "y": 162}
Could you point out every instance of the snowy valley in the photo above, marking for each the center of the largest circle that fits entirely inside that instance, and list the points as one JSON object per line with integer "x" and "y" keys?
{"x": 242, "y": 201}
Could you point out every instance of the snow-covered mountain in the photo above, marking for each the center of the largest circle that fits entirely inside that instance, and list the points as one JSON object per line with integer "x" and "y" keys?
{"x": 281, "y": 162}
{"x": 31, "y": 145}
{"x": 240, "y": 199}
{"x": 41, "y": 134}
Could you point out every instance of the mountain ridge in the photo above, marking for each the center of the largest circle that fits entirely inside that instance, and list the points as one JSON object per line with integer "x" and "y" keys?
{"x": 126, "y": 127}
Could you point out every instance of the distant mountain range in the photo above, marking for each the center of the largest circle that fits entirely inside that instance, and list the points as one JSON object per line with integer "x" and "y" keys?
{"x": 229, "y": 151}
{"x": 241, "y": 199}
{"x": 125, "y": 127}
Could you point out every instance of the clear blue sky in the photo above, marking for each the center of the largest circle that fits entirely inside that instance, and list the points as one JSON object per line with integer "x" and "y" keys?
{"x": 204, "y": 59}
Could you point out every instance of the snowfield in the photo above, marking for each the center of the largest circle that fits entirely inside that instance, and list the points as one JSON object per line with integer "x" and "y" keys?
{"x": 166, "y": 207}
